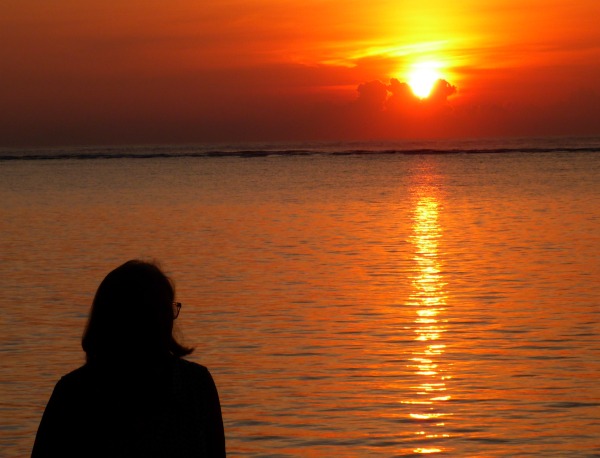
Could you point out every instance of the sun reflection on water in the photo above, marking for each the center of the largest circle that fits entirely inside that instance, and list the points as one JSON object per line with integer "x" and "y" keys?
{"x": 429, "y": 299}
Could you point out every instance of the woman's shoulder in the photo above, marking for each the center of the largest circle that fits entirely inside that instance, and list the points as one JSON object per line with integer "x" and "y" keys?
{"x": 193, "y": 374}
{"x": 72, "y": 387}
{"x": 76, "y": 377}
{"x": 191, "y": 368}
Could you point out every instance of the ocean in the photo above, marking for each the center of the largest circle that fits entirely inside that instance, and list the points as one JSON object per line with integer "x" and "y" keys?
{"x": 350, "y": 299}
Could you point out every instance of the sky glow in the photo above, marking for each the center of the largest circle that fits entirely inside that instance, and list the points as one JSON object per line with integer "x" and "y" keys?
{"x": 149, "y": 71}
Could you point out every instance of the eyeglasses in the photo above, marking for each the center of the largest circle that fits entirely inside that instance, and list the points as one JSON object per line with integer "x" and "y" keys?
{"x": 176, "y": 309}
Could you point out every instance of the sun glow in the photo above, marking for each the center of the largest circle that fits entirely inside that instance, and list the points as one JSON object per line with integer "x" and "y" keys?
{"x": 429, "y": 301}
{"x": 423, "y": 77}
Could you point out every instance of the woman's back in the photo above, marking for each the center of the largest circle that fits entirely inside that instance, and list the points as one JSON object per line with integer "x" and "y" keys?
{"x": 170, "y": 409}
{"x": 136, "y": 396}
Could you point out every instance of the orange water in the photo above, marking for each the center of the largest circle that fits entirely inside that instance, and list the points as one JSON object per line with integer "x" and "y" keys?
{"x": 381, "y": 305}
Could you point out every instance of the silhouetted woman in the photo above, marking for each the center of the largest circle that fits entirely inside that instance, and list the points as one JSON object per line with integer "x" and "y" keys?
{"x": 135, "y": 396}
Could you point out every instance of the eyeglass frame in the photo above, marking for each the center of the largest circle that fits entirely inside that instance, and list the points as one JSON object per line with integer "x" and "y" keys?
{"x": 176, "y": 309}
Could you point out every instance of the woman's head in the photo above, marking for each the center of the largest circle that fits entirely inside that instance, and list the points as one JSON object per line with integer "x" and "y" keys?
{"x": 132, "y": 315}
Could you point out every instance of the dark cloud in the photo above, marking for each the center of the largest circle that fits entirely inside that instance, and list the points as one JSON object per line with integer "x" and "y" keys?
{"x": 392, "y": 110}
{"x": 401, "y": 96}
{"x": 398, "y": 96}
{"x": 372, "y": 95}
{"x": 442, "y": 89}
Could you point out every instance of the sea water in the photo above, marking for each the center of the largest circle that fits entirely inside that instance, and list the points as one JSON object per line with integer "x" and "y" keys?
{"x": 349, "y": 299}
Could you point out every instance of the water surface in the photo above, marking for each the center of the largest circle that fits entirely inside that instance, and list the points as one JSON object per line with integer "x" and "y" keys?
{"x": 347, "y": 305}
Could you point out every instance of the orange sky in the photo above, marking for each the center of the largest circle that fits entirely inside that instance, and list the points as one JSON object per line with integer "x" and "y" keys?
{"x": 185, "y": 71}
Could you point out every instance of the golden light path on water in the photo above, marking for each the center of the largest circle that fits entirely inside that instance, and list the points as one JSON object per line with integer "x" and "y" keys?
{"x": 428, "y": 298}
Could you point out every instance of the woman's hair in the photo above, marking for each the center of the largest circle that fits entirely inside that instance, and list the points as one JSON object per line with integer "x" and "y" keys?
{"x": 132, "y": 315}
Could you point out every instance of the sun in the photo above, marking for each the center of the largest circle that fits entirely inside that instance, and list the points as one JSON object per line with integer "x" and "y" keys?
{"x": 422, "y": 77}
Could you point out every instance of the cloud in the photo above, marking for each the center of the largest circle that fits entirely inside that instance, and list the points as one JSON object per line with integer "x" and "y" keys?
{"x": 401, "y": 96}
{"x": 398, "y": 96}
{"x": 442, "y": 89}
{"x": 372, "y": 95}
